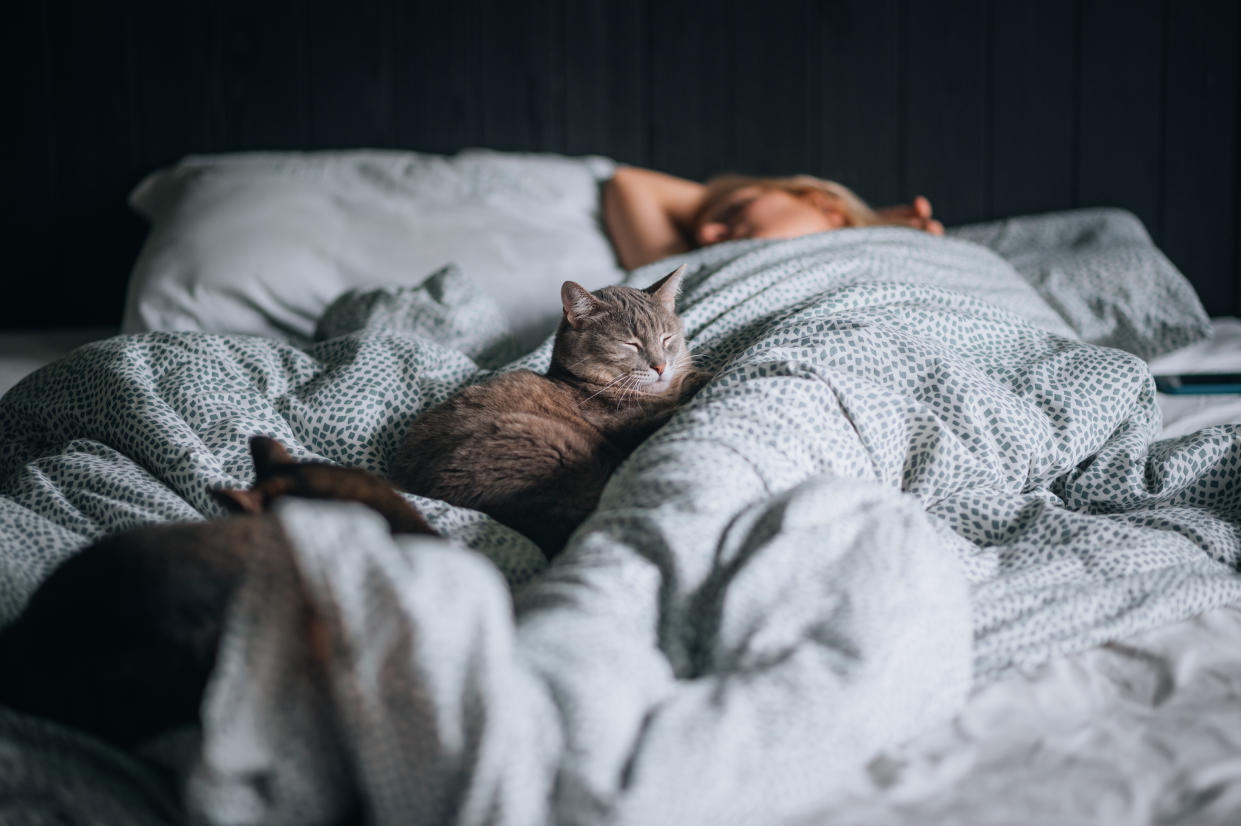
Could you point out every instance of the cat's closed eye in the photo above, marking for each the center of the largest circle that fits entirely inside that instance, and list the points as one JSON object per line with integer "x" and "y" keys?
{"x": 637, "y": 346}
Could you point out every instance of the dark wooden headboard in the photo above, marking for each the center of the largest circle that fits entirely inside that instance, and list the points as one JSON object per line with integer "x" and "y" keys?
{"x": 989, "y": 108}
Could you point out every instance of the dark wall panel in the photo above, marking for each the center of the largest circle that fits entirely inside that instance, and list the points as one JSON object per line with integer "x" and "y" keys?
{"x": 605, "y": 76}
{"x": 438, "y": 75}
{"x": 692, "y": 79}
{"x": 989, "y": 109}
{"x": 774, "y": 92}
{"x": 858, "y": 49}
{"x": 1034, "y": 124}
{"x": 91, "y": 97}
{"x": 478, "y": 73}
{"x": 522, "y": 64}
{"x": 948, "y": 108}
{"x": 1120, "y": 106}
{"x": 351, "y": 50}
{"x": 1199, "y": 207}
{"x": 30, "y": 214}
{"x": 260, "y": 78}
{"x": 171, "y": 82}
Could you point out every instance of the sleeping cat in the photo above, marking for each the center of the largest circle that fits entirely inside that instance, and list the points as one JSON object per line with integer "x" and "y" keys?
{"x": 121, "y": 638}
{"x": 534, "y": 451}
{"x": 278, "y": 474}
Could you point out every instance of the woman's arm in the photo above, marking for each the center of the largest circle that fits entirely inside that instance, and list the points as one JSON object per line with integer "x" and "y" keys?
{"x": 649, "y": 215}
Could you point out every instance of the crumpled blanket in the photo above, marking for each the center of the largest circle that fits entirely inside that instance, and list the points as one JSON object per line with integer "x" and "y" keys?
{"x": 907, "y": 474}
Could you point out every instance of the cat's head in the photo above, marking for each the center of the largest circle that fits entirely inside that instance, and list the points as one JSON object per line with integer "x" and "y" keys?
{"x": 630, "y": 339}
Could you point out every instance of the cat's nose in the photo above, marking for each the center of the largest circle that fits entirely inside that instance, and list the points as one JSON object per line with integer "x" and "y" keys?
{"x": 659, "y": 368}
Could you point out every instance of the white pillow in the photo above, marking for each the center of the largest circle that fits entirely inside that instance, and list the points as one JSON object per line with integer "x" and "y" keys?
{"x": 261, "y": 243}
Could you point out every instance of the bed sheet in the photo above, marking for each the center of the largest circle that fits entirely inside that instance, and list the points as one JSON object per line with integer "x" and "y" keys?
{"x": 1143, "y": 730}
{"x": 1138, "y": 730}
{"x": 1221, "y": 353}
{"x": 852, "y": 367}
{"x": 1146, "y": 729}
{"x": 21, "y": 353}
{"x": 24, "y": 352}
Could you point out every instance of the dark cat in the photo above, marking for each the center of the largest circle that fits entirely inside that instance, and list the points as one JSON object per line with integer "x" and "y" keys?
{"x": 278, "y": 474}
{"x": 120, "y": 639}
{"x": 534, "y": 451}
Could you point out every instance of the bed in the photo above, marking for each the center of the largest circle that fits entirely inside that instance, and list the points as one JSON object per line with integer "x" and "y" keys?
{"x": 926, "y": 549}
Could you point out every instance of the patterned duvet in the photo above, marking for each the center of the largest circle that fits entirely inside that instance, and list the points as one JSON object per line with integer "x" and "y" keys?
{"x": 907, "y": 475}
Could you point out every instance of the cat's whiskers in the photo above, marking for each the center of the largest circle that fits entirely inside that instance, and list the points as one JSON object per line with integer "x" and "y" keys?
{"x": 629, "y": 387}
{"x": 690, "y": 358}
{"x": 639, "y": 381}
{"x": 681, "y": 362}
{"x": 605, "y": 387}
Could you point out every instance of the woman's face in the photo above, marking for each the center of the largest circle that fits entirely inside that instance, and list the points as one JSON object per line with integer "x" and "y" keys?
{"x": 757, "y": 212}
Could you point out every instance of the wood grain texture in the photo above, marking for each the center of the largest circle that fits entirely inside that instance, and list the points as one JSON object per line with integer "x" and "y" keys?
{"x": 438, "y": 75}
{"x": 523, "y": 76}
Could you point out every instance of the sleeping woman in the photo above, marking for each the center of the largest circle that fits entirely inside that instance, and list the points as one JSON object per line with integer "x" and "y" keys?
{"x": 650, "y": 215}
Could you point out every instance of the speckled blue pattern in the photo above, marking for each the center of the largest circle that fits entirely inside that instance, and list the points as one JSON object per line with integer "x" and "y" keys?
{"x": 865, "y": 354}
{"x": 906, "y": 469}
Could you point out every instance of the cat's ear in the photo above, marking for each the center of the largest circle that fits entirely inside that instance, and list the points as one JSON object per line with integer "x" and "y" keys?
{"x": 238, "y": 501}
{"x": 268, "y": 454}
{"x": 579, "y": 304}
{"x": 665, "y": 289}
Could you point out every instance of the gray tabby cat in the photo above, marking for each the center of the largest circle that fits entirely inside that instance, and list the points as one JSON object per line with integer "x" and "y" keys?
{"x": 534, "y": 451}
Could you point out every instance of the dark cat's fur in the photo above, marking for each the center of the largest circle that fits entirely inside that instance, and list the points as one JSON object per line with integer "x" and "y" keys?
{"x": 534, "y": 451}
{"x": 278, "y": 474}
{"x": 121, "y": 637}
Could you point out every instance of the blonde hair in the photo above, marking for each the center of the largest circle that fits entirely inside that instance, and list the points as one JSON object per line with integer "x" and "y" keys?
{"x": 855, "y": 211}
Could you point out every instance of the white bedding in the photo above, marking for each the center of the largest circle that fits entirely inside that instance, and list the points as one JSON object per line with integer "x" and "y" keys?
{"x": 1140, "y": 731}
{"x": 22, "y": 353}
{"x": 1131, "y": 732}
{"x": 1221, "y": 353}
{"x": 259, "y": 243}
